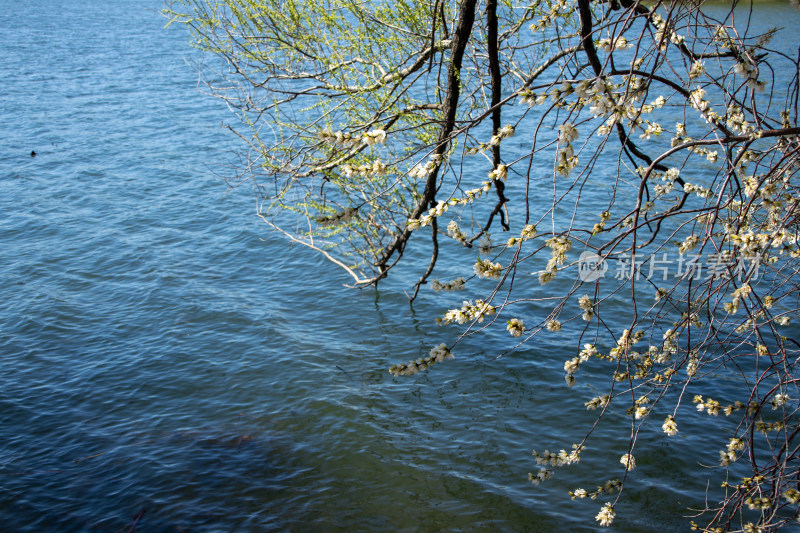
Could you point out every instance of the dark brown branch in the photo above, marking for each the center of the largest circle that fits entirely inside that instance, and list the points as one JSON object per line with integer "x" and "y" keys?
{"x": 494, "y": 71}
{"x": 434, "y": 257}
{"x": 461, "y": 35}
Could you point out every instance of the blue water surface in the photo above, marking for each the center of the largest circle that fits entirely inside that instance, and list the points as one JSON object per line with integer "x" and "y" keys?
{"x": 170, "y": 365}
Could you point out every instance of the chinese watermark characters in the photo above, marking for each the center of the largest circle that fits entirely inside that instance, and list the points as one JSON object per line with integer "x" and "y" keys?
{"x": 661, "y": 267}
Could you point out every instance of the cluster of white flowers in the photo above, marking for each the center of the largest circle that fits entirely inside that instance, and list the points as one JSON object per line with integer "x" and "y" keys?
{"x": 598, "y": 402}
{"x": 669, "y": 426}
{"x": 559, "y": 246}
{"x": 689, "y": 244}
{"x": 697, "y": 99}
{"x": 468, "y": 311}
{"x": 578, "y": 494}
{"x": 664, "y": 33}
{"x": 606, "y": 515}
{"x": 455, "y": 285}
{"x": 425, "y": 220}
{"x": 527, "y": 233}
{"x": 664, "y": 356}
{"x": 697, "y": 70}
{"x": 779, "y": 400}
{"x": 736, "y": 297}
{"x": 624, "y": 105}
{"x": 589, "y": 350}
{"x": 437, "y": 354}
{"x": 752, "y": 408}
{"x": 531, "y": 99}
{"x": 671, "y": 175}
{"x": 587, "y": 306}
{"x": 700, "y": 191}
{"x": 500, "y": 173}
{"x": 421, "y": 170}
{"x": 562, "y": 458}
{"x": 374, "y": 137}
{"x": 542, "y": 475}
{"x": 708, "y": 405}
{"x": 567, "y": 132}
{"x": 736, "y": 120}
{"x": 516, "y": 327}
{"x": 340, "y": 138}
{"x": 455, "y": 232}
{"x": 628, "y": 461}
{"x": 558, "y": 9}
{"x": 680, "y": 130}
{"x": 565, "y": 157}
{"x": 442, "y": 207}
{"x": 624, "y": 343}
{"x": 755, "y": 246}
{"x": 599, "y": 94}
{"x": 602, "y": 104}
{"x": 337, "y": 218}
{"x": 586, "y": 89}
{"x": 609, "y": 487}
{"x": 722, "y": 37}
{"x": 604, "y": 217}
{"x": 765, "y": 427}
{"x": 653, "y": 128}
{"x": 503, "y": 133}
{"x": 681, "y": 135}
{"x": 792, "y": 496}
{"x": 748, "y": 70}
{"x": 472, "y": 194}
{"x": 484, "y": 268}
{"x": 554, "y": 326}
{"x": 377, "y": 168}
{"x": 711, "y": 155}
{"x": 571, "y": 366}
{"x": 735, "y": 445}
{"x": 608, "y": 44}
{"x": 485, "y": 243}
{"x": 726, "y": 458}
{"x": 758, "y": 503}
{"x": 670, "y": 346}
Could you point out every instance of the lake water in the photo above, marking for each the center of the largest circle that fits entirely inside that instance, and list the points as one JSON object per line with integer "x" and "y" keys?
{"x": 169, "y": 365}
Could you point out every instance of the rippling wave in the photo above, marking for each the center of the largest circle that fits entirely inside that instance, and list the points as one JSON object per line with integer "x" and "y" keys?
{"x": 170, "y": 366}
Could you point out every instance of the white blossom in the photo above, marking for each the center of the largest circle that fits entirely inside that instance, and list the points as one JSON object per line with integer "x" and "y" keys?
{"x": 484, "y": 268}
{"x": 628, "y": 461}
{"x": 515, "y": 327}
{"x": 606, "y": 515}
{"x": 567, "y": 132}
{"x": 670, "y": 427}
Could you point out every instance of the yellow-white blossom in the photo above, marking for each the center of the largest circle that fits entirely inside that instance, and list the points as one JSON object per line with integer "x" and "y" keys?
{"x": 516, "y": 327}
{"x": 606, "y": 515}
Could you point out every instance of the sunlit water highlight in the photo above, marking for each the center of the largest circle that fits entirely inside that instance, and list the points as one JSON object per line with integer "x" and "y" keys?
{"x": 169, "y": 365}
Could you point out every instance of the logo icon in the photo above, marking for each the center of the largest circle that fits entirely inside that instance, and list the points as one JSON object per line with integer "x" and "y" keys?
{"x": 591, "y": 266}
